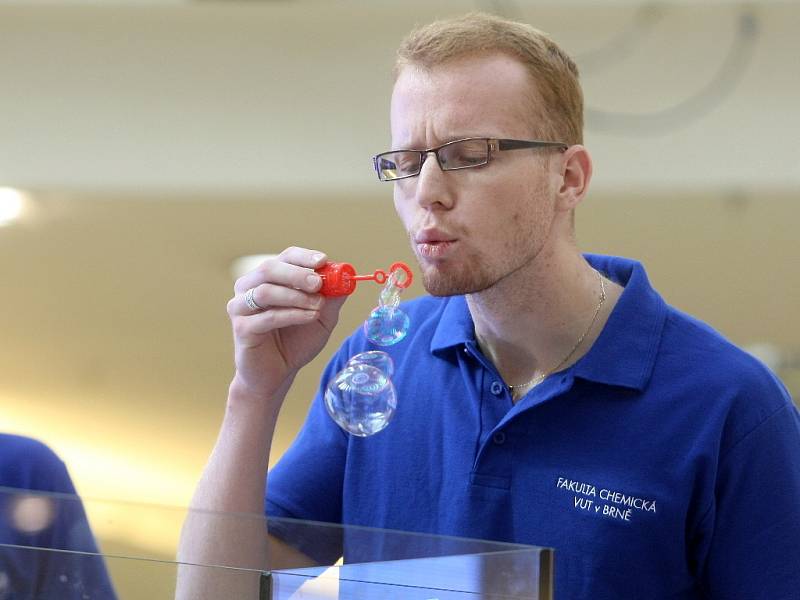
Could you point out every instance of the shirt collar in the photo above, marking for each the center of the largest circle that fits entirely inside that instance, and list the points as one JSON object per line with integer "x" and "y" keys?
{"x": 625, "y": 352}
{"x": 455, "y": 327}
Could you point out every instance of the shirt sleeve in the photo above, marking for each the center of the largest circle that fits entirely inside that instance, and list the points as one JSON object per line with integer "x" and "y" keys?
{"x": 753, "y": 544}
{"x": 307, "y": 481}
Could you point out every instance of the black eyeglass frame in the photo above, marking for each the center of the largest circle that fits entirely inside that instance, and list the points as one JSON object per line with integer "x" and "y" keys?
{"x": 492, "y": 145}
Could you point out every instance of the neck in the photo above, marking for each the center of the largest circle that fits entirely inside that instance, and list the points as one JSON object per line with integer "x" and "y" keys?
{"x": 529, "y": 324}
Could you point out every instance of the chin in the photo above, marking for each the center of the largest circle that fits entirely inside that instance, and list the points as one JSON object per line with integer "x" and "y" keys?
{"x": 437, "y": 283}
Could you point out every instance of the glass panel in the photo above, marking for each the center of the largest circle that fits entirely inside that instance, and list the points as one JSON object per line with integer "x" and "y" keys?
{"x": 42, "y": 574}
{"x": 58, "y": 546}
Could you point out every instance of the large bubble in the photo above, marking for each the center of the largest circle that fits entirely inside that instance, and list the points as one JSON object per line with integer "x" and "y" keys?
{"x": 361, "y": 399}
{"x": 374, "y": 358}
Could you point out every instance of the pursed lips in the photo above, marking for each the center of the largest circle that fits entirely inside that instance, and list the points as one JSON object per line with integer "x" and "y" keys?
{"x": 433, "y": 243}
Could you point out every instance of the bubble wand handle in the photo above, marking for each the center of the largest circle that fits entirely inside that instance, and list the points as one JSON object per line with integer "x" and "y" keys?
{"x": 378, "y": 276}
{"x": 340, "y": 278}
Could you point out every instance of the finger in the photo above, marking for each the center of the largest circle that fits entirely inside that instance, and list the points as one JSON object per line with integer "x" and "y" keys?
{"x": 303, "y": 257}
{"x": 294, "y": 255}
{"x": 329, "y": 312}
{"x": 278, "y": 272}
{"x": 268, "y": 296}
{"x": 256, "y": 325}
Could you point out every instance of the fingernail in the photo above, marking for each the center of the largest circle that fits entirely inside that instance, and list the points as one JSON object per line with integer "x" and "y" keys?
{"x": 312, "y": 280}
{"x": 317, "y": 257}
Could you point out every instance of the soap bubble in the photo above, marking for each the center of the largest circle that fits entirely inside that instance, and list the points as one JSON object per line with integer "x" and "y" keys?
{"x": 374, "y": 358}
{"x": 390, "y": 294}
{"x": 361, "y": 399}
{"x": 386, "y": 325}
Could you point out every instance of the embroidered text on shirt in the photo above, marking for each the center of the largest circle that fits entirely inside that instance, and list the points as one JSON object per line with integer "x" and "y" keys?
{"x": 616, "y": 504}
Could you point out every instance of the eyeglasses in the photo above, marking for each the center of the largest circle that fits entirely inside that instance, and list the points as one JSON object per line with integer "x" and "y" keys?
{"x": 458, "y": 154}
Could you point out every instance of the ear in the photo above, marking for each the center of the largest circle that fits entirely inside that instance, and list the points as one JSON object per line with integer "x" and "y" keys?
{"x": 576, "y": 173}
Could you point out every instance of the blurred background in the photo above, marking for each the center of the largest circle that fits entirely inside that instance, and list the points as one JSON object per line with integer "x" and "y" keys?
{"x": 145, "y": 147}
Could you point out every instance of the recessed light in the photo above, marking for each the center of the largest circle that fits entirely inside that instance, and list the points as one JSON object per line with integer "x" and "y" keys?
{"x": 12, "y": 202}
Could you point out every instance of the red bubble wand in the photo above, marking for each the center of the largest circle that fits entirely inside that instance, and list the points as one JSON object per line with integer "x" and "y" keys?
{"x": 340, "y": 279}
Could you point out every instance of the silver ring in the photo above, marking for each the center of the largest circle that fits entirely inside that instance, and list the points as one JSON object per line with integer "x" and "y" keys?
{"x": 251, "y": 302}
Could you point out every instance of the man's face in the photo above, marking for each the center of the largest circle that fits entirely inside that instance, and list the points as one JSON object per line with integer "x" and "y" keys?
{"x": 474, "y": 227}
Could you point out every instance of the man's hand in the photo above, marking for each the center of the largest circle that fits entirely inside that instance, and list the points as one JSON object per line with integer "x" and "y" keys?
{"x": 289, "y": 326}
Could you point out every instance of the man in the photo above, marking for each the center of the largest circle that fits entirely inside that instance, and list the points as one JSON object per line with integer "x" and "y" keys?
{"x": 545, "y": 397}
{"x": 47, "y": 549}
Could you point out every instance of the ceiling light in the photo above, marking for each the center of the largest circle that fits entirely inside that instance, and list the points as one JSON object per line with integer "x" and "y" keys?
{"x": 12, "y": 202}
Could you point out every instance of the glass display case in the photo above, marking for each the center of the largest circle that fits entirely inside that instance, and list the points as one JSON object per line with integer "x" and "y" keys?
{"x": 55, "y": 546}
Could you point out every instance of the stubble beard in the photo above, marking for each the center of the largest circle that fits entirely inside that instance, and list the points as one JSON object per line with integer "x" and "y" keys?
{"x": 450, "y": 278}
{"x": 468, "y": 274}
{"x": 454, "y": 282}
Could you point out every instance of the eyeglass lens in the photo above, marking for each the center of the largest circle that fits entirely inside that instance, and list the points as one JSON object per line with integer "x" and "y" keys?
{"x": 455, "y": 155}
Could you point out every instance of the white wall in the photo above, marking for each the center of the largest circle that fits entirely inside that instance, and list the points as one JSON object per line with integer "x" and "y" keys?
{"x": 285, "y": 96}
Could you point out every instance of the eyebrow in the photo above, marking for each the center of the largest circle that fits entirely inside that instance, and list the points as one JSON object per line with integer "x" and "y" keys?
{"x": 448, "y": 140}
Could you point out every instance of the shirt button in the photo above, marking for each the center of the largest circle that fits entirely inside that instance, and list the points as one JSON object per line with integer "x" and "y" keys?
{"x": 497, "y": 388}
{"x": 499, "y": 438}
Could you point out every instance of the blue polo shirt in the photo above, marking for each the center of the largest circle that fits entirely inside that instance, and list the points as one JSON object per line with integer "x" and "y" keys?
{"x": 665, "y": 463}
{"x": 27, "y": 465}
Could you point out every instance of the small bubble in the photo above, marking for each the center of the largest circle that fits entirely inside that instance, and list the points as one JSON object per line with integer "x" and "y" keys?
{"x": 389, "y": 297}
{"x": 386, "y": 326}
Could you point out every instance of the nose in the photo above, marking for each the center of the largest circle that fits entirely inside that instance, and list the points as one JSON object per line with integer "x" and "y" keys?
{"x": 433, "y": 186}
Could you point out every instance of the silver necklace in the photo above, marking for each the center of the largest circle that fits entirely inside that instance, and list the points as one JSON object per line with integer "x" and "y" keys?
{"x": 540, "y": 378}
